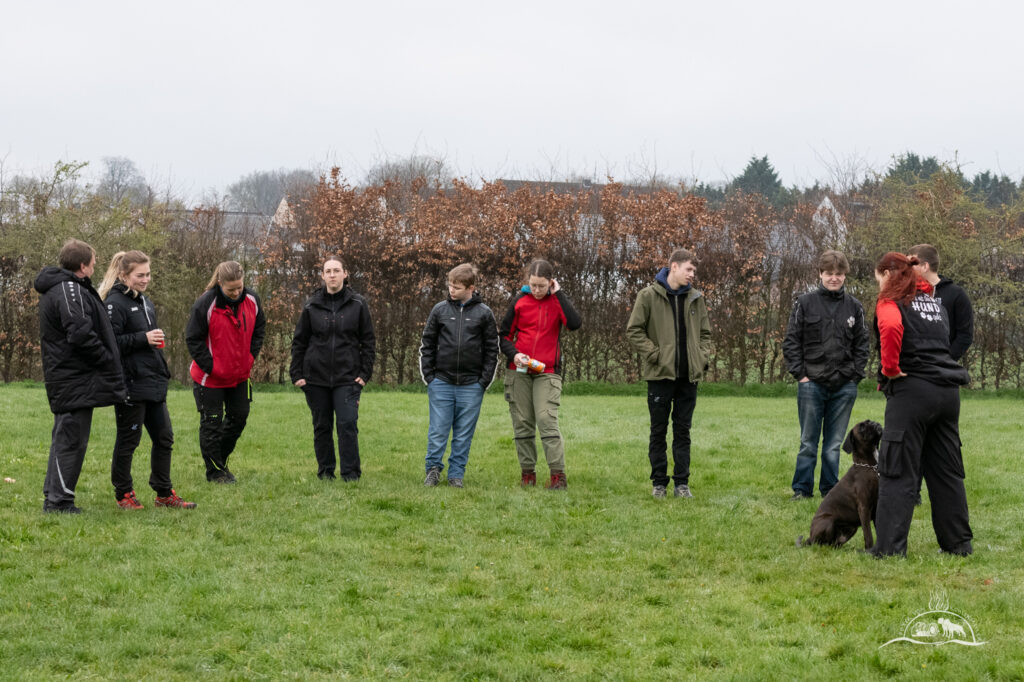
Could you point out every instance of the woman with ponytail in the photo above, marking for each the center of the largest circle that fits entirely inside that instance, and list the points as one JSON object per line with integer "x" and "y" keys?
{"x": 531, "y": 331}
{"x": 921, "y": 382}
{"x": 140, "y": 342}
{"x": 224, "y": 335}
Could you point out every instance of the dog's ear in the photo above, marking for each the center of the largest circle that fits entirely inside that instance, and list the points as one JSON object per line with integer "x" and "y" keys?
{"x": 848, "y": 444}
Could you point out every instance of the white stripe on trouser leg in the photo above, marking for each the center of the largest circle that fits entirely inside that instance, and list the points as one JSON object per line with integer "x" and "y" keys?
{"x": 56, "y": 463}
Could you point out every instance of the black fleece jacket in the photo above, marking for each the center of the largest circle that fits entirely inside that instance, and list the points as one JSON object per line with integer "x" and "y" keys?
{"x": 961, "y": 315}
{"x": 334, "y": 342}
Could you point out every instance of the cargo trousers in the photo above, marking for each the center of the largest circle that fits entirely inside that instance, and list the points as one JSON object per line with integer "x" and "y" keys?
{"x": 533, "y": 401}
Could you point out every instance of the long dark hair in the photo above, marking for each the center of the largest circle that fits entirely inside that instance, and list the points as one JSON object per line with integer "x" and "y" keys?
{"x": 902, "y": 283}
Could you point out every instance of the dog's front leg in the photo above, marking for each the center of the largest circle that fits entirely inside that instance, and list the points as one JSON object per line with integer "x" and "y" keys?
{"x": 865, "y": 523}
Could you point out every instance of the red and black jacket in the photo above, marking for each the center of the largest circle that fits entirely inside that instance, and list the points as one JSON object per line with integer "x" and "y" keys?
{"x": 224, "y": 337}
{"x": 914, "y": 339}
{"x": 534, "y": 327}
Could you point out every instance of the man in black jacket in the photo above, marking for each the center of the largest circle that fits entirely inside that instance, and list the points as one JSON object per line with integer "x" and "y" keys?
{"x": 952, "y": 297}
{"x": 826, "y": 351}
{"x": 81, "y": 366}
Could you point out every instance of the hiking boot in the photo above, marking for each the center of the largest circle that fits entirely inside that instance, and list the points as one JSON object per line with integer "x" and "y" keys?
{"x": 529, "y": 478}
{"x": 129, "y": 501}
{"x": 658, "y": 491}
{"x": 173, "y": 500}
{"x": 454, "y": 482}
{"x": 433, "y": 477}
{"x": 557, "y": 481}
{"x": 682, "y": 490}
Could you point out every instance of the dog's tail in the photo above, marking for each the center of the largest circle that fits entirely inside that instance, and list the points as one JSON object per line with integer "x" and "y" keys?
{"x": 800, "y": 541}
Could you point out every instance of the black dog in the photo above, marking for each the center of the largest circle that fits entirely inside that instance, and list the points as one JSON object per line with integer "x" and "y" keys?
{"x": 853, "y": 501}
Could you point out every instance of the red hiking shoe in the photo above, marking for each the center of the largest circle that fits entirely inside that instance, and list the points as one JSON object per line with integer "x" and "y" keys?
{"x": 557, "y": 482}
{"x": 129, "y": 501}
{"x": 529, "y": 478}
{"x": 173, "y": 500}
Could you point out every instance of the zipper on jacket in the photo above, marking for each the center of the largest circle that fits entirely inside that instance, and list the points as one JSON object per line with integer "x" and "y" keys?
{"x": 542, "y": 321}
{"x": 458, "y": 346}
{"x": 675, "y": 304}
{"x": 334, "y": 321}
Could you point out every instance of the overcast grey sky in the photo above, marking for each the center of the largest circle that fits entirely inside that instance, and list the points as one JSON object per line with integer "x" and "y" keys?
{"x": 201, "y": 93}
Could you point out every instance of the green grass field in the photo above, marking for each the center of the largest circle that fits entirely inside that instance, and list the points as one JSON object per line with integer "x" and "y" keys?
{"x": 283, "y": 576}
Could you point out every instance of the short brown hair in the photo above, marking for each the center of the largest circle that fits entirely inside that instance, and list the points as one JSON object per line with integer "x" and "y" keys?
{"x": 681, "y": 256}
{"x": 926, "y": 253}
{"x": 464, "y": 274}
{"x": 74, "y": 254}
{"x": 833, "y": 261}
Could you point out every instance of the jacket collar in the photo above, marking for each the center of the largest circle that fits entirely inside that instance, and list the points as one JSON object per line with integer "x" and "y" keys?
{"x": 126, "y": 290}
{"x": 473, "y": 300}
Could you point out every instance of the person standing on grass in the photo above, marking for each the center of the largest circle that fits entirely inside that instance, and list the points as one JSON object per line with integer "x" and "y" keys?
{"x": 826, "y": 350}
{"x": 81, "y": 367}
{"x": 458, "y": 356}
{"x": 333, "y": 352}
{"x": 224, "y": 335}
{"x": 921, "y": 382}
{"x": 950, "y": 295}
{"x": 140, "y": 342}
{"x": 669, "y": 328}
{"x": 952, "y": 298}
{"x": 531, "y": 330}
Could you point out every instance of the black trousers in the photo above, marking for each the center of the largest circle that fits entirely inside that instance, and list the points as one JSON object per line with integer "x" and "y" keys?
{"x": 921, "y": 438}
{"x": 67, "y": 453}
{"x": 330, "y": 406}
{"x": 676, "y": 398}
{"x": 222, "y": 416}
{"x": 131, "y": 418}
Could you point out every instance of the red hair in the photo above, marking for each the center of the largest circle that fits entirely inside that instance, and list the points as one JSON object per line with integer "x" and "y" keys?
{"x": 901, "y": 286}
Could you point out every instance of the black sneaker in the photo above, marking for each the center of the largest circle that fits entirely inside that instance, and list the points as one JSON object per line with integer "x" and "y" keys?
{"x": 223, "y": 477}
{"x": 682, "y": 490}
{"x": 62, "y": 508}
{"x": 433, "y": 477}
{"x": 350, "y": 478}
{"x": 326, "y": 476}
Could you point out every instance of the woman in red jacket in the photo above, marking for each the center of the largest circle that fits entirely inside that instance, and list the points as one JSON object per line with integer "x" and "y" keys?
{"x": 921, "y": 382}
{"x": 530, "y": 333}
{"x": 224, "y": 336}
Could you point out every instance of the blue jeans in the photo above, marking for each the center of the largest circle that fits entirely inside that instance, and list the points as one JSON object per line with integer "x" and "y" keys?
{"x": 821, "y": 408}
{"x": 453, "y": 409}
